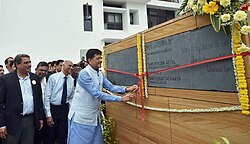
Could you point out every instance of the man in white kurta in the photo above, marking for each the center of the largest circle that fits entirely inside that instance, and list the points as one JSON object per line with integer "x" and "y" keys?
{"x": 84, "y": 115}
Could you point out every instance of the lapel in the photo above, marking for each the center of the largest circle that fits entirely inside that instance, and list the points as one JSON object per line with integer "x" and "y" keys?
{"x": 17, "y": 84}
{"x": 33, "y": 82}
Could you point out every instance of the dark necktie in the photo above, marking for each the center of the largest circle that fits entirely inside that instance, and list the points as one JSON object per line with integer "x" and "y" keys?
{"x": 64, "y": 93}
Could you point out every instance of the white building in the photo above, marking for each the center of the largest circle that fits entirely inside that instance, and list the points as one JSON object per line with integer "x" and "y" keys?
{"x": 64, "y": 29}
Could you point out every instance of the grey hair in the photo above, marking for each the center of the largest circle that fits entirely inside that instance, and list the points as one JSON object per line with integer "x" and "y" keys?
{"x": 18, "y": 58}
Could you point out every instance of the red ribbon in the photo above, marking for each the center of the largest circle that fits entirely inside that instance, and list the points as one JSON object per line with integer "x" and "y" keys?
{"x": 118, "y": 71}
{"x": 142, "y": 102}
{"x": 198, "y": 63}
{"x": 140, "y": 77}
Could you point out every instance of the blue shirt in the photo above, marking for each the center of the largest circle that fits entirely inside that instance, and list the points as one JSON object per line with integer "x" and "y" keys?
{"x": 54, "y": 89}
{"x": 86, "y": 82}
{"x": 27, "y": 94}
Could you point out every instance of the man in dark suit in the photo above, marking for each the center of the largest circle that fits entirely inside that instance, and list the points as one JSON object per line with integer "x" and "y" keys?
{"x": 21, "y": 106}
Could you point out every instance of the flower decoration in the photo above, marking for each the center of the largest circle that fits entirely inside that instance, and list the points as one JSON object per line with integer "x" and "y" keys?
{"x": 210, "y": 8}
{"x": 244, "y": 48}
{"x": 225, "y": 17}
{"x": 201, "y": 2}
{"x": 245, "y": 30}
{"x": 241, "y": 83}
{"x": 225, "y": 3}
{"x": 240, "y": 16}
{"x": 244, "y": 7}
{"x": 197, "y": 110}
{"x": 223, "y": 13}
{"x": 195, "y": 8}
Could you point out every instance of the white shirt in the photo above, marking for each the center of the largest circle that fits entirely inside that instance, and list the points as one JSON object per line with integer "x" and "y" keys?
{"x": 27, "y": 94}
{"x": 43, "y": 85}
{"x": 54, "y": 89}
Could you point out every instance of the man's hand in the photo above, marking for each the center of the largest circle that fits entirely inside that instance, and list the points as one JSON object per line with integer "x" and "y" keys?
{"x": 50, "y": 121}
{"x": 132, "y": 88}
{"x": 41, "y": 124}
{"x": 3, "y": 132}
{"x": 128, "y": 97}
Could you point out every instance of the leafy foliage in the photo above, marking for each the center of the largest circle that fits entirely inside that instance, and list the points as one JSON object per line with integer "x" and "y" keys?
{"x": 108, "y": 129}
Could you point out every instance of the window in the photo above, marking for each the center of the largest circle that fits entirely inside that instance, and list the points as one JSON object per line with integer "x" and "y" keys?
{"x": 133, "y": 17}
{"x": 113, "y": 21}
{"x": 157, "y": 16}
{"x": 87, "y": 16}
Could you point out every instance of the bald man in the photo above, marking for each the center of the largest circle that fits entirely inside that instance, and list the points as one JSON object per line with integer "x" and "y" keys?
{"x": 58, "y": 93}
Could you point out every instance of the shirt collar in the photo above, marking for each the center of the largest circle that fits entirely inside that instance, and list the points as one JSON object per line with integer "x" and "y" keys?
{"x": 62, "y": 74}
{"x": 93, "y": 70}
{"x": 27, "y": 77}
{"x": 43, "y": 79}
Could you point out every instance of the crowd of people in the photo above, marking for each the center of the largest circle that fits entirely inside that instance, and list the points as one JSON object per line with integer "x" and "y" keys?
{"x": 59, "y": 103}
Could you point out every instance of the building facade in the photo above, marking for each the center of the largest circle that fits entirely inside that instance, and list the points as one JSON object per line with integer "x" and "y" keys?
{"x": 65, "y": 29}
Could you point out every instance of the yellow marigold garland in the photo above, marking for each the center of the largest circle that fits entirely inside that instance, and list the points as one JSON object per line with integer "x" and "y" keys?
{"x": 104, "y": 61}
{"x": 140, "y": 60}
{"x": 240, "y": 71}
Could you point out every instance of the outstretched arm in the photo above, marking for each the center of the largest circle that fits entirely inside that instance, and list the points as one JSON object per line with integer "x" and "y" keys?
{"x": 86, "y": 82}
{"x": 111, "y": 87}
